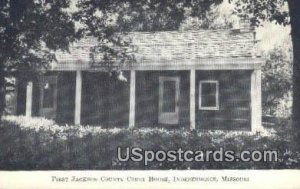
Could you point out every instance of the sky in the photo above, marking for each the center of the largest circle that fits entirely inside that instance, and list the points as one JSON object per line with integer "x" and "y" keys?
{"x": 269, "y": 35}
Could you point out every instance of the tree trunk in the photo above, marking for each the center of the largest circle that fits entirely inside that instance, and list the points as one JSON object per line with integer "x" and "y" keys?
{"x": 294, "y": 8}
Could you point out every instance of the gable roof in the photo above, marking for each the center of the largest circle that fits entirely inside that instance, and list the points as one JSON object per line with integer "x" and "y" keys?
{"x": 173, "y": 45}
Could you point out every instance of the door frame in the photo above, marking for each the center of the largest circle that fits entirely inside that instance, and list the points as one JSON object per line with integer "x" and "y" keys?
{"x": 170, "y": 118}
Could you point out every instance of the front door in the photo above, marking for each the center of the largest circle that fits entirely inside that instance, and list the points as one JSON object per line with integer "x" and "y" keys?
{"x": 168, "y": 112}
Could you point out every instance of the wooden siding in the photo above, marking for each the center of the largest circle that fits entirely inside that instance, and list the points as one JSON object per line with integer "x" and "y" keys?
{"x": 21, "y": 97}
{"x": 234, "y": 98}
{"x": 147, "y": 95}
{"x": 65, "y": 97}
{"x": 65, "y": 106}
{"x": 105, "y": 99}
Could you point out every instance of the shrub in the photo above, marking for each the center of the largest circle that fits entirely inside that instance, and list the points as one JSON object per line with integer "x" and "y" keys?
{"x": 44, "y": 145}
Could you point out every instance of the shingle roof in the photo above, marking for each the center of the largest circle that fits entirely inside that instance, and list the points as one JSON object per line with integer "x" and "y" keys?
{"x": 174, "y": 45}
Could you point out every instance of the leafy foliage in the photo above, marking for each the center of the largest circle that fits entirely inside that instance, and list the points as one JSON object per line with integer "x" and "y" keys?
{"x": 276, "y": 79}
{"x": 144, "y": 15}
{"x": 34, "y": 147}
{"x": 110, "y": 20}
{"x": 217, "y": 17}
{"x": 30, "y": 31}
{"x": 257, "y": 11}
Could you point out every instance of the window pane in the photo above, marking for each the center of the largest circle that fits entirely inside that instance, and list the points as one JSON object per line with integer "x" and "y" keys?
{"x": 48, "y": 99}
{"x": 209, "y": 89}
{"x": 208, "y": 95}
{"x": 169, "y": 99}
{"x": 209, "y": 101}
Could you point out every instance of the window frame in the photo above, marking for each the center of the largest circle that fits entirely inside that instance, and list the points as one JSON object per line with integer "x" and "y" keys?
{"x": 217, "y": 107}
{"x": 49, "y": 112}
{"x": 53, "y": 91}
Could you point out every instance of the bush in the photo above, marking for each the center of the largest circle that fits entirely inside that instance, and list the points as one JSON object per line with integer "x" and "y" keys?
{"x": 43, "y": 145}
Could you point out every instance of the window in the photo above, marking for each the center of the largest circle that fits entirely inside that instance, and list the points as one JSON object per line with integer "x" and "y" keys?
{"x": 49, "y": 93}
{"x": 209, "y": 95}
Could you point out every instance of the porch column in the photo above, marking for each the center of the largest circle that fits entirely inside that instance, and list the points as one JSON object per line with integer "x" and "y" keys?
{"x": 192, "y": 99}
{"x": 29, "y": 88}
{"x": 78, "y": 97}
{"x": 256, "y": 101}
{"x": 132, "y": 99}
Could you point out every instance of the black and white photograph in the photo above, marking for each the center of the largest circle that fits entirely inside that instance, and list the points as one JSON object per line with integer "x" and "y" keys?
{"x": 187, "y": 86}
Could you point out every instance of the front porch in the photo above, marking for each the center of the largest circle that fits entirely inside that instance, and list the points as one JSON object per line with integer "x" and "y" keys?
{"x": 92, "y": 97}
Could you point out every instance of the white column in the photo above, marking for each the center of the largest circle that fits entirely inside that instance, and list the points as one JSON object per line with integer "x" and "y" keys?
{"x": 78, "y": 97}
{"x": 192, "y": 99}
{"x": 132, "y": 99}
{"x": 256, "y": 101}
{"x": 29, "y": 89}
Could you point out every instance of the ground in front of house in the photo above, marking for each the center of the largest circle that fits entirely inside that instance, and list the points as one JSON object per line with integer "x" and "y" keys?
{"x": 40, "y": 144}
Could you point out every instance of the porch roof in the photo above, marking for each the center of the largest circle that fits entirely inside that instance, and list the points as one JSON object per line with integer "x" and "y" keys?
{"x": 170, "y": 48}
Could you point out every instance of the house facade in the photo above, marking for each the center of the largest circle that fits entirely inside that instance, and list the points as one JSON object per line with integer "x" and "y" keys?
{"x": 208, "y": 79}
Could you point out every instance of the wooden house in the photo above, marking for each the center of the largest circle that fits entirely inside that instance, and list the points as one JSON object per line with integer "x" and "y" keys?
{"x": 207, "y": 79}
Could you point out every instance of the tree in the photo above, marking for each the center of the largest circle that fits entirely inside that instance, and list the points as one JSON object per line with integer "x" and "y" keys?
{"x": 277, "y": 79}
{"x": 30, "y": 31}
{"x": 273, "y": 10}
{"x": 109, "y": 21}
{"x": 294, "y": 7}
{"x": 219, "y": 16}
